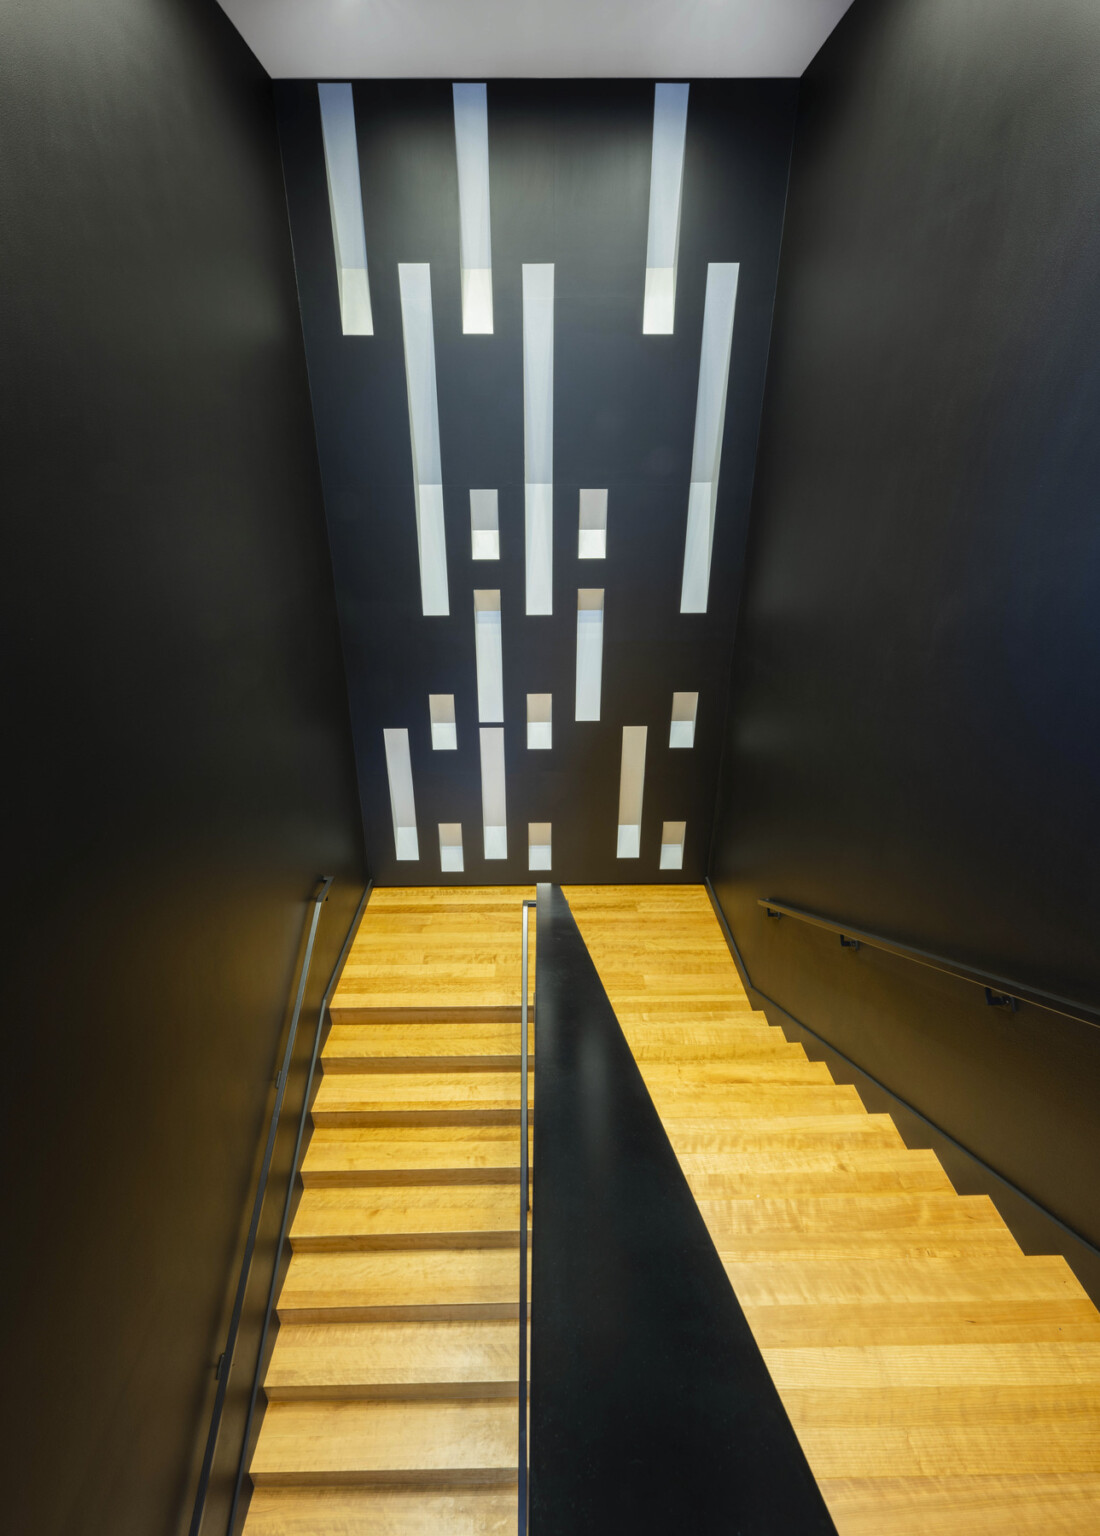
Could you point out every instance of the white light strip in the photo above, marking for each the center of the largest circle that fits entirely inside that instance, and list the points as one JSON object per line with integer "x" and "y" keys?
{"x": 472, "y": 148}
{"x": 672, "y": 844}
{"x": 592, "y": 537}
{"x": 666, "y": 184}
{"x": 399, "y": 772}
{"x": 450, "y": 847}
{"x": 538, "y": 844}
{"x": 487, "y": 649}
{"x": 685, "y": 706}
{"x": 494, "y": 814}
{"x": 710, "y": 416}
{"x": 540, "y": 722}
{"x": 441, "y": 709}
{"x": 484, "y": 526}
{"x": 345, "y": 203}
{"x": 415, "y": 280}
{"x": 538, "y": 434}
{"x": 589, "y": 652}
{"x": 631, "y": 785}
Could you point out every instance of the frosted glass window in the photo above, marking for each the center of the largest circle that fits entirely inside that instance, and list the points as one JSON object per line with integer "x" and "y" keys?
{"x": 441, "y": 708}
{"x": 672, "y": 844}
{"x": 345, "y": 204}
{"x": 494, "y": 815}
{"x": 490, "y": 677}
{"x": 472, "y": 149}
{"x": 538, "y": 845}
{"x": 540, "y": 730}
{"x": 399, "y": 772}
{"x": 484, "y": 525}
{"x": 450, "y": 847}
{"x": 684, "y": 709}
{"x": 666, "y": 184}
{"x": 710, "y": 416}
{"x": 631, "y": 786}
{"x": 538, "y": 434}
{"x": 415, "y": 282}
{"x": 589, "y": 652}
{"x": 592, "y": 541}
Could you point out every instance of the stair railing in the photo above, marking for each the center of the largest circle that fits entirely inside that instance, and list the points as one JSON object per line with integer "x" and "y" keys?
{"x": 524, "y": 1208}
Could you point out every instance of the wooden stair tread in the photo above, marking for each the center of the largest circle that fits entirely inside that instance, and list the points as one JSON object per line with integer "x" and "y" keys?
{"x": 459, "y": 1282}
{"x": 454, "y": 1154}
{"x": 381, "y": 1512}
{"x": 392, "y": 1216}
{"x": 402, "y": 1359}
{"x": 964, "y": 1506}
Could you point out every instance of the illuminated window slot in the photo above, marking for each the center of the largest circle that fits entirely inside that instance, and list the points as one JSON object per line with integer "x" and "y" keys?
{"x": 415, "y": 282}
{"x": 592, "y": 539}
{"x": 399, "y": 772}
{"x": 672, "y": 844}
{"x": 441, "y": 708}
{"x": 490, "y": 676}
{"x": 494, "y": 815}
{"x": 589, "y": 652}
{"x": 631, "y": 786}
{"x": 540, "y": 727}
{"x": 472, "y": 148}
{"x": 450, "y": 847}
{"x": 484, "y": 525}
{"x": 538, "y": 434}
{"x": 710, "y": 415}
{"x": 666, "y": 185}
{"x": 345, "y": 202}
{"x": 684, "y": 709}
{"x": 538, "y": 845}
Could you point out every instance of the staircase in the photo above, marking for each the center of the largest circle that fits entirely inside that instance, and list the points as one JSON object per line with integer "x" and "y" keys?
{"x": 392, "y": 1391}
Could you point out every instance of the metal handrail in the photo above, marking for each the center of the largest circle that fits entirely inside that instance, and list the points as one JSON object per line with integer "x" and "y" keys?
{"x": 524, "y": 1208}
{"x": 998, "y": 988}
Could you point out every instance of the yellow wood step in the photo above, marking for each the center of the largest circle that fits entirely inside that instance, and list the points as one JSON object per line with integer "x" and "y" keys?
{"x": 404, "y": 1360}
{"x": 420, "y": 1154}
{"x": 411, "y": 1098}
{"x": 743, "y": 1100}
{"x": 443, "y": 1047}
{"x": 963, "y": 1506}
{"x": 418, "y": 1216}
{"x": 705, "y": 1079}
{"x": 777, "y": 1133}
{"x": 747, "y": 1176}
{"x": 381, "y": 1512}
{"x": 436, "y": 1286}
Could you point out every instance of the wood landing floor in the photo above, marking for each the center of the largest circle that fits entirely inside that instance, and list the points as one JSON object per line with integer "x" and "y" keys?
{"x": 940, "y": 1382}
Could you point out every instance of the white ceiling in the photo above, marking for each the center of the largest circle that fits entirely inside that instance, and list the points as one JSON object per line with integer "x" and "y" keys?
{"x": 548, "y": 39}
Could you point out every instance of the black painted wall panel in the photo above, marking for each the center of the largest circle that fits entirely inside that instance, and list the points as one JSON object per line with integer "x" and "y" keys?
{"x": 913, "y": 741}
{"x": 177, "y": 746}
{"x": 569, "y": 176}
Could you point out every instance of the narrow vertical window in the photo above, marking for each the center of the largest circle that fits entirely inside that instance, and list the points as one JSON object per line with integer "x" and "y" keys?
{"x": 672, "y": 844}
{"x": 487, "y": 648}
{"x": 540, "y": 728}
{"x": 450, "y": 847}
{"x": 494, "y": 815}
{"x": 441, "y": 708}
{"x": 472, "y": 149}
{"x": 666, "y": 184}
{"x": 684, "y": 709}
{"x": 592, "y": 539}
{"x": 415, "y": 282}
{"x": 399, "y": 772}
{"x": 710, "y": 416}
{"x": 484, "y": 526}
{"x": 631, "y": 786}
{"x": 345, "y": 204}
{"x": 589, "y": 652}
{"x": 538, "y": 434}
{"x": 538, "y": 845}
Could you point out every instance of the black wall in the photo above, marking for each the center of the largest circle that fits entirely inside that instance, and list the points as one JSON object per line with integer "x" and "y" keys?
{"x": 176, "y": 735}
{"x": 569, "y": 166}
{"x": 914, "y": 742}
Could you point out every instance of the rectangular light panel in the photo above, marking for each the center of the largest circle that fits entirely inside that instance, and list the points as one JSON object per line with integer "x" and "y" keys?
{"x": 494, "y": 816}
{"x": 472, "y": 148}
{"x": 589, "y": 652}
{"x": 592, "y": 539}
{"x": 540, "y": 726}
{"x": 538, "y": 433}
{"x": 345, "y": 203}
{"x": 441, "y": 708}
{"x": 666, "y": 183}
{"x": 484, "y": 525}
{"x": 450, "y": 847}
{"x": 684, "y": 709}
{"x": 710, "y": 415}
{"x": 631, "y": 785}
{"x": 490, "y": 675}
{"x": 538, "y": 845}
{"x": 399, "y": 772}
{"x": 415, "y": 281}
{"x": 672, "y": 844}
